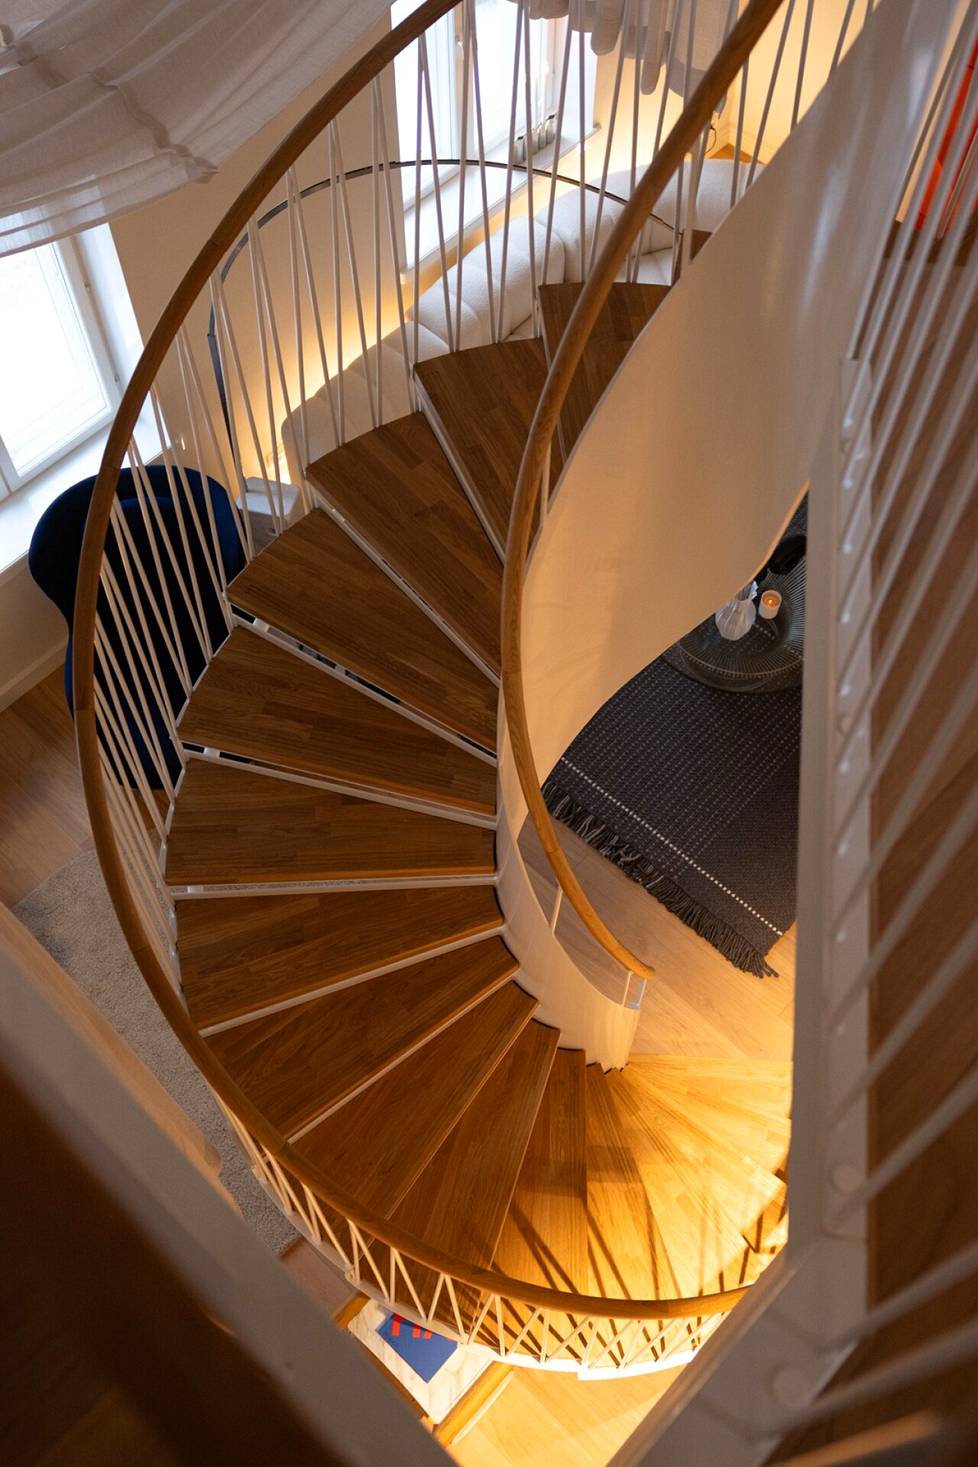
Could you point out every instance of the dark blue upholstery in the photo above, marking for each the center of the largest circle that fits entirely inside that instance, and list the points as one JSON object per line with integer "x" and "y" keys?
{"x": 54, "y": 558}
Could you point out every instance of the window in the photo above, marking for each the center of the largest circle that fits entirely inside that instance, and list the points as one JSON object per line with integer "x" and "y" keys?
{"x": 57, "y": 383}
{"x": 496, "y": 22}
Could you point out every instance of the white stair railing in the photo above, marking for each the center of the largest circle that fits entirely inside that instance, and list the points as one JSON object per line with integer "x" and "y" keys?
{"x": 315, "y": 331}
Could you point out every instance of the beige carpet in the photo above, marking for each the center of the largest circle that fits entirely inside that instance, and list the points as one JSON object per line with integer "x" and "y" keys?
{"x": 71, "y": 915}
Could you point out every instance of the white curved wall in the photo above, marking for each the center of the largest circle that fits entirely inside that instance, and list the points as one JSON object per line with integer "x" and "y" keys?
{"x": 678, "y": 487}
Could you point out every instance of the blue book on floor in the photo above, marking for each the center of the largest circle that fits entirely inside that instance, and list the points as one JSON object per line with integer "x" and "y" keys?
{"x": 425, "y": 1352}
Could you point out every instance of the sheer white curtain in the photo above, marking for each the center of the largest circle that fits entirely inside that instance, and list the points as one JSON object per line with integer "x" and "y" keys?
{"x": 649, "y": 27}
{"x": 106, "y": 104}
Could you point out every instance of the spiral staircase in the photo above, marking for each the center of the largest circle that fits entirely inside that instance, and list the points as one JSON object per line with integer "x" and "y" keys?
{"x": 382, "y": 1030}
{"x": 312, "y": 849}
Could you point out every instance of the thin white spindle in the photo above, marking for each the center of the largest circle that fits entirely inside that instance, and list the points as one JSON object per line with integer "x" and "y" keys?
{"x": 266, "y": 374}
{"x": 609, "y": 141}
{"x": 334, "y": 240}
{"x": 309, "y": 276}
{"x": 483, "y": 171}
{"x": 436, "y": 181}
{"x": 555, "y": 161}
{"x": 351, "y": 258}
{"x": 510, "y": 158}
{"x": 393, "y": 226}
{"x": 226, "y": 332}
{"x": 772, "y": 87}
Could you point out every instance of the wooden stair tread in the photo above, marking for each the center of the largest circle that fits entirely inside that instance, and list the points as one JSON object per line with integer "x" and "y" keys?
{"x": 260, "y": 700}
{"x": 725, "y": 1183}
{"x": 705, "y": 1251}
{"x": 376, "y": 1145}
{"x": 624, "y": 314}
{"x": 544, "y": 1237}
{"x": 481, "y": 403}
{"x": 396, "y": 488}
{"x": 241, "y": 953}
{"x": 316, "y": 585}
{"x": 626, "y": 1253}
{"x": 296, "y": 1064}
{"x": 459, "y": 1202}
{"x": 231, "y": 826}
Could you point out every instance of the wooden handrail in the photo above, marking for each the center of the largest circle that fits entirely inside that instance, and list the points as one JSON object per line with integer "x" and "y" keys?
{"x": 683, "y": 137}
{"x": 714, "y": 84}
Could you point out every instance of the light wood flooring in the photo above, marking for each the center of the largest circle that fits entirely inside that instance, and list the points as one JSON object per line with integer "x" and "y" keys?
{"x": 43, "y": 820}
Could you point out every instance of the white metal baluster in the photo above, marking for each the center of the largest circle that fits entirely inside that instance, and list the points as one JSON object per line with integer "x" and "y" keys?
{"x": 378, "y": 262}
{"x": 169, "y": 468}
{"x": 334, "y": 236}
{"x": 436, "y": 179}
{"x": 141, "y": 884}
{"x": 291, "y": 205}
{"x": 802, "y": 62}
{"x": 232, "y": 429}
{"x": 416, "y": 302}
{"x": 952, "y": 1271}
{"x": 110, "y": 701}
{"x": 463, "y": 170}
{"x": 913, "y": 598}
{"x": 392, "y": 229}
{"x": 922, "y": 888}
{"x": 456, "y": 1312}
{"x": 581, "y": 154}
{"x": 874, "y": 313}
{"x": 122, "y": 693}
{"x": 152, "y": 516}
{"x": 253, "y": 248}
{"x": 529, "y": 132}
{"x": 896, "y": 320}
{"x": 143, "y": 855}
{"x": 511, "y": 149}
{"x": 143, "y": 649}
{"x": 612, "y": 119}
{"x": 772, "y": 85}
{"x": 351, "y": 255}
{"x": 480, "y": 139}
{"x": 940, "y": 983}
{"x": 312, "y": 292}
{"x": 217, "y": 582}
{"x": 558, "y": 134}
{"x": 193, "y": 417}
{"x": 144, "y": 494}
{"x": 955, "y": 1104}
{"x": 739, "y": 144}
{"x": 283, "y": 385}
{"x": 235, "y": 356}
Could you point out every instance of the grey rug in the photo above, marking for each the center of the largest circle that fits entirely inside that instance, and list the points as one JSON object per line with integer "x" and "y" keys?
{"x": 693, "y": 792}
{"x": 71, "y": 915}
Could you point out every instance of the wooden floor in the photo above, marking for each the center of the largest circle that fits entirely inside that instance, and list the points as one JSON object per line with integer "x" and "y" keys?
{"x": 43, "y": 821}
{"x": 698, "y": 1004}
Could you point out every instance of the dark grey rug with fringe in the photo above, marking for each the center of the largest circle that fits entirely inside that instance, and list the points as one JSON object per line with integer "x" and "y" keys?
{"x": 693, "y": 792}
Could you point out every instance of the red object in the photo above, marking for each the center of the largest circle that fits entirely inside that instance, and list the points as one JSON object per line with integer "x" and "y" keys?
{"x": 397, "y": 1320}
{"x": 937, "y": 175}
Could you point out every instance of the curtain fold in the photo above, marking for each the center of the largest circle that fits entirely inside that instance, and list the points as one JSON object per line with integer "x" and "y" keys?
{"x": 107, "y": 104}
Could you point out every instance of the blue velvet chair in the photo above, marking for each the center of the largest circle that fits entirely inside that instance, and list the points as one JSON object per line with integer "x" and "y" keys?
{"x": 54, "y": 558}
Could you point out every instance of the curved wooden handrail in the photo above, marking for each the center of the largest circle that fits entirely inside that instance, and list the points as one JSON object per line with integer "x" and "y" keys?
{"x": 107, "y": 847}
{"x": 683, "y": 137}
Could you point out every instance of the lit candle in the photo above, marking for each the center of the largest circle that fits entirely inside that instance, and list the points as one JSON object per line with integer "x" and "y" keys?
{"x": 770, "y": 604}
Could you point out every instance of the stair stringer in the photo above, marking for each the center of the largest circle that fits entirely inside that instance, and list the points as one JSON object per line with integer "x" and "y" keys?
{"x": 706, "y": 475}
{"x": 587, "y": 1019}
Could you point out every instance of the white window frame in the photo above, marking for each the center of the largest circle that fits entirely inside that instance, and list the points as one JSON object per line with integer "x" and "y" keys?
{"x": 447, "y": 34}
{"x": 80, "y": 290}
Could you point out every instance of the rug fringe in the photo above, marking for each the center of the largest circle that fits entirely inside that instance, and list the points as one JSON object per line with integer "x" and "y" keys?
{"x": 726, "y": 939}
